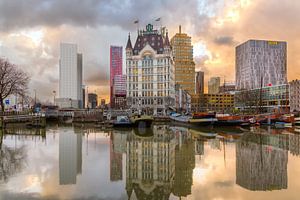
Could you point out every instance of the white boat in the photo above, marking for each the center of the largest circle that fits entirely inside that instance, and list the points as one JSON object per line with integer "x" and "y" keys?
{"x": 297, "y": 121}
{"x": 180, "y": 118}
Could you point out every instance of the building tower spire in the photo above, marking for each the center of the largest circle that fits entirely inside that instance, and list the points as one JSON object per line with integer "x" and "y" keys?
{"x": 167, "y": 42}
{"x": 129, "y": 46}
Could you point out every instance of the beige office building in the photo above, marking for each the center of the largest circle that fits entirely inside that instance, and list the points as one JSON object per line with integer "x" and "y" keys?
{"x": 184, "y": 64}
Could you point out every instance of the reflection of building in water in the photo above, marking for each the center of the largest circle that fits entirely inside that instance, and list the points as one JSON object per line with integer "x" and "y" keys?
{"x": 199, "y": 146}
{"x": 119, "y": 141}
{"x": 294, "y": 144}
{"x": 150, "y": 164}
{"x": 261, "y": 162}
{"x": 117, "y": 147}
{"x": 184, "y": 164}
{"x": 215, "y": 144}
{"x": 70, "y": 157}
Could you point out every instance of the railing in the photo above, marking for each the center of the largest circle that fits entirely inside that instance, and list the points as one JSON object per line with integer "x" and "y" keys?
{"x": 10, "y": 113}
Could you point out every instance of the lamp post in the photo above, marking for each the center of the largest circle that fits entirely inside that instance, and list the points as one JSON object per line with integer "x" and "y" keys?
{"x": 54, "y": 94}
{"x": 34, "y": 97}
{"x": 71, "y": 102}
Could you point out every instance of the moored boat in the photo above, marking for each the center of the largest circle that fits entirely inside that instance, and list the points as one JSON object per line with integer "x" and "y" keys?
{"x": 297, "y": 121}
{"x": 122, "y": 121}
{"x": 203, "y": 119}
{"x": 227, "y": 120}
{"x": 141, "y": 120}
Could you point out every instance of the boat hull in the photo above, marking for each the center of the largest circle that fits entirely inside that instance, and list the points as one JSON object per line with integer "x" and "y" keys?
{"x": 128, "y": 124}
{"x": 203, "y": 122}
{"x": 229, "y": 122}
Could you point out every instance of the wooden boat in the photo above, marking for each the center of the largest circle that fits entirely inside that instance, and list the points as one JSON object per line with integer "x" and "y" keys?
{"x": 141, "y": 120}
{"x": 203, "y": 119}
{"x": 231, "y": 121}
{"x": 122, "y": 121}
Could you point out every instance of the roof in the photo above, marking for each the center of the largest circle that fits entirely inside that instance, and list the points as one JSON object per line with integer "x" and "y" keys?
{"x": 152, "y": 37}
{"x": 128, "y": 46}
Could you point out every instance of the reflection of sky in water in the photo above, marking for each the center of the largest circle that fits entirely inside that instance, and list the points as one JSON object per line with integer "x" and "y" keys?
{"x": 99, "y": 169}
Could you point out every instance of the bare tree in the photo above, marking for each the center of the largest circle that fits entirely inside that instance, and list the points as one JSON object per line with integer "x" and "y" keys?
{"x": 12, "y": 161}
{"x": 12, "y": 81}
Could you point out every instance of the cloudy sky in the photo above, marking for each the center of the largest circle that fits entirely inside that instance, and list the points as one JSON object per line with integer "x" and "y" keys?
{"x": 31, "y": 31}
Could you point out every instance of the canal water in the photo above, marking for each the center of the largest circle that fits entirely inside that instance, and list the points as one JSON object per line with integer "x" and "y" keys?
{"x": 165, "y": 162}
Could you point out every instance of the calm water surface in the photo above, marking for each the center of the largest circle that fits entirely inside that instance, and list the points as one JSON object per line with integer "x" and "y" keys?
{"x": 162, "y": 163}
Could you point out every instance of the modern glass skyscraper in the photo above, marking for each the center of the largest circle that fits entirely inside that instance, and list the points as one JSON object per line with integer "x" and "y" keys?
{"x": 261, "y": 63}
{"x": 116, "y": 67}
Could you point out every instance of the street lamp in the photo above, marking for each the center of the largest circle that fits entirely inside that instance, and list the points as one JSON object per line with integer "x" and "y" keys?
{"x": 54, "y": 94}
{"x": 71, "y": 102}
{"x": 34, "y": 97}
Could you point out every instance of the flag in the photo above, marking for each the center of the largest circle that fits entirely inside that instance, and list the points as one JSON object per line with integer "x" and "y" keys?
{"x": 136, "y": 21}
{"x": 158, "y": 19}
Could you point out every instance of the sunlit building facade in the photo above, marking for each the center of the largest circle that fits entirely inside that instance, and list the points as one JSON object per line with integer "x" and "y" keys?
{"x": 150, "y": 73}
{"x": 183, "y": 61}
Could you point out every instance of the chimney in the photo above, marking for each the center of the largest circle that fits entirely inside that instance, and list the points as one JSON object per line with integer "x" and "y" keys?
{"x": 180, "y": 29}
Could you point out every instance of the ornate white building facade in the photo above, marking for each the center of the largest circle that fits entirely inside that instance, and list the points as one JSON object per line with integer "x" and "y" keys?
{"x": 150, "y": 73}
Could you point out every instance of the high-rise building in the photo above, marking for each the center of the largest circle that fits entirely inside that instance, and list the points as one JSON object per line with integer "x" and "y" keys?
{"x": 214, "y": 85}
{"x": 116, "y": 67}
{"x": 92, "y": 100}
{"x": 227, "y": 88}
{"x": 150, "y": 72}
{"x": 199, "y": 82}
{"x": 83, "y": 96}
{"x": 70, "y": 77}
{"x": 119, "y": 92}
{"x": 261, "y": 63}
{"x": 183, "y": 61}
{"x": 295, "y": 95}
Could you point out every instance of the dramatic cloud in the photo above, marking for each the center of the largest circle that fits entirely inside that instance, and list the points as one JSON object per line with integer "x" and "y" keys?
{"x": 224, "y": 40}
{"x": 31, "y": 30}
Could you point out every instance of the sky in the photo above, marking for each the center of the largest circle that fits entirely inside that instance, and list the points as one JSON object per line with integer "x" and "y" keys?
{"x": 31, "y": 31}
